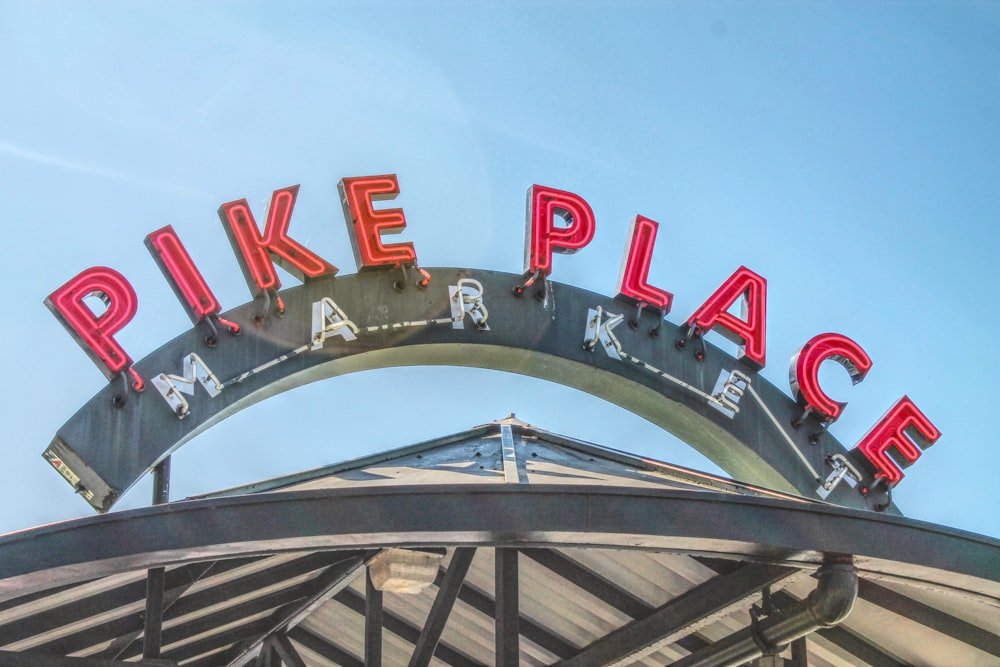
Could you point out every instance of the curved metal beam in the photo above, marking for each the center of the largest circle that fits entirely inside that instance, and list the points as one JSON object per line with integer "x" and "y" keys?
{"x": 784, "y": 532}
{"x": 117, "y": 436}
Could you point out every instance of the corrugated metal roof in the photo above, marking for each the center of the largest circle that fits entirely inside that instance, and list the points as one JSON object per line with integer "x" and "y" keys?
{"x": 307, "y": 606}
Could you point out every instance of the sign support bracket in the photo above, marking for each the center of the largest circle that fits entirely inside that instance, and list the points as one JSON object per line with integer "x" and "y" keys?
{"x": 153, "y": 626}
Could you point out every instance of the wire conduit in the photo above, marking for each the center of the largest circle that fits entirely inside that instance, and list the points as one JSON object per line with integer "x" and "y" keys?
{"x": 828, "y": 605}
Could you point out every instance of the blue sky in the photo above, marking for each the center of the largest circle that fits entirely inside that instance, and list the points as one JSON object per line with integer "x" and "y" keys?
{"x": 848, "y": 152}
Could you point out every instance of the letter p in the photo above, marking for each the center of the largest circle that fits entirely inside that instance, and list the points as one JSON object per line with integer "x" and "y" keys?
{"x": 543, "y": 237}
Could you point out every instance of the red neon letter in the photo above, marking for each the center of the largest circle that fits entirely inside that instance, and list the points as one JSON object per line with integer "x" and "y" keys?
{"x": 366, "y": 224}
{"x": 184, "y": 277}
{"x": 634, "y": 273}
{"x": 255, "y": 252}
{"x": 891, "y": 431}
{"x": 94, "y": 333}
{"x": 748, "y": 332}
{"x": 543, "y": 237}
{"x": 803, "y": 374}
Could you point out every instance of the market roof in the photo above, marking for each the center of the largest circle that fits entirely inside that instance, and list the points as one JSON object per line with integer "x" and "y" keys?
{"x": 604, "y": 557}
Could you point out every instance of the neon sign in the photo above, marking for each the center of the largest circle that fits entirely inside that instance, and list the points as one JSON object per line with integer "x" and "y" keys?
{"x": 557, "y": 221}
{"x": 366, "y": 224}
{"x": 95, "y": 333}
{"x": 632, "y": 279}
{"x": 255, "y": 251}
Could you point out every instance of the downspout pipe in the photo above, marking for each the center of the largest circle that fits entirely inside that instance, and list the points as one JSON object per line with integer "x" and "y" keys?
{"x": 828, "y": 605}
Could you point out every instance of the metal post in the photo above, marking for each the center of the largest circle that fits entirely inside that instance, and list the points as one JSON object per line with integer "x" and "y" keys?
{"x": 265, "y": 659}
{"x": 373, "y": 623}
{"x": 508, "y": 651}
{"x": 448, "y": 590}
{"x": 285, "y": 652}
{"x": 800, "y": 653}
{"x": 153, "y": 626}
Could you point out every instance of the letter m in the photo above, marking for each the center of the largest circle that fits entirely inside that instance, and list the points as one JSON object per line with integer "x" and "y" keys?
{"x": 171, "y": 387}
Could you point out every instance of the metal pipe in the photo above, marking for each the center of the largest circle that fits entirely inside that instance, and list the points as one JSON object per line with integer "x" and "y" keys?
{"x": 828, "y": 605}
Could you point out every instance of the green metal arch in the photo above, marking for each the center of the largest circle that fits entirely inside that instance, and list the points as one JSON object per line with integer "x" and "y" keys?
{"x": 119, "y": 435}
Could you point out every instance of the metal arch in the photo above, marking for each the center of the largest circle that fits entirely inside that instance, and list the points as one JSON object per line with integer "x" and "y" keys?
{"x": 116, "y": 437}
{"x": 783, "y": 532}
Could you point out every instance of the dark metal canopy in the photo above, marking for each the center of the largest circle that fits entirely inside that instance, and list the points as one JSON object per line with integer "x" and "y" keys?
{"x": 543, "y": 550}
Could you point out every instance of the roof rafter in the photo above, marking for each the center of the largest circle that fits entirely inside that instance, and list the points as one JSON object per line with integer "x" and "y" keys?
{"x": 334, "y": 579}
{"x": 402, "y": 628}
{"x": 25, "y": 659}
{"x": 324, "y": 648}
{"x": 444, "y": 601}
{"x": 930, "y": 617}
{"x": 645, "y": 635}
